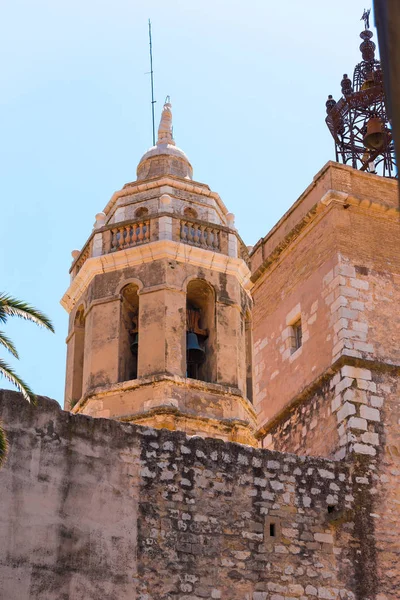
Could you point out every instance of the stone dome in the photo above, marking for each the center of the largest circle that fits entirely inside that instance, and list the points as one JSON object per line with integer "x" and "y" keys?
{"x": 165, "y": 158}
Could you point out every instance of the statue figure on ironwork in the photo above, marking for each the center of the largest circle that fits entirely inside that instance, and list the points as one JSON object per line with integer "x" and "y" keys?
{"x": 365, "y": 17}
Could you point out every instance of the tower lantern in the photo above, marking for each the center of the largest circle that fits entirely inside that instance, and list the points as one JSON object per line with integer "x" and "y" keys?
{"x": 358, "y": 122}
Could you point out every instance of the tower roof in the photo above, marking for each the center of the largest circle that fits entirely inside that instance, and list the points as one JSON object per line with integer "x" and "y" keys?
{"x": 165, "y": 158}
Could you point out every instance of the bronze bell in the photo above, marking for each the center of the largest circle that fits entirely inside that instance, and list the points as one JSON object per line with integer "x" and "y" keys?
{"x": 374, "y": 138}
{"x": 135, "y": 344}
{"x": 195, "y": 353}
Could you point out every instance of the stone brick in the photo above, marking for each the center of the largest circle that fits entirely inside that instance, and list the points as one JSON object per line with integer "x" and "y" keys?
{"x": 371, "y": 414}
{"x": 324, "y": 538}
{"x": 364, "y": 449}
{"x": 346, "y": 410}
{"x": 370, "y": 438}
{"x": 357, "y": 423}
{"x": 343, "y": 384}
{"x": 356, "y": 373}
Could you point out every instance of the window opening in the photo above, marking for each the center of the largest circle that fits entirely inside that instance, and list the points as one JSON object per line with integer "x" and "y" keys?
{"x": 195, "y": 338}
{"x": 129, "y": 334}
{"x": 272, "y": 530}
{"x": 297, "y": 337}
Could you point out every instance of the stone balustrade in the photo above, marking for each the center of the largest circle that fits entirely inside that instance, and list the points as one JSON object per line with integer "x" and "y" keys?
{"x": 201, "y": 235}
{"x": 84, "y": 255}
{"x": 132, "y": 234}
{"x": 120, "y": 236}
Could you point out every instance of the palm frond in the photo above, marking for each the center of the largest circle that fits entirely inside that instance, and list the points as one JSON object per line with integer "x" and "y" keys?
{"x": 7, "y": 343}
{"x": 10, "y": 307}
{"x": 3, "y": 445}
{"x": 9, "y": 374}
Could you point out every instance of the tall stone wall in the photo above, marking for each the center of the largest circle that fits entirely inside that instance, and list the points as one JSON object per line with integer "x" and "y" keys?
{"x": 94, "y": 508}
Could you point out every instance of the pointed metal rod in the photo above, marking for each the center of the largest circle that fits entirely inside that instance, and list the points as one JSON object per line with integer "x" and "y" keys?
{"x": 152, "y": 85}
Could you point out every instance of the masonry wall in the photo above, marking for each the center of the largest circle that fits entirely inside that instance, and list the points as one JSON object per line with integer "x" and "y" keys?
{"x": 332, "y": 261}
{"x": 95, "y": 508}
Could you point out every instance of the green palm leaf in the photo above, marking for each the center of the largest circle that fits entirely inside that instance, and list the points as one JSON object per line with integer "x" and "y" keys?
{"x": 7, "y": 343}
{"x": 13, "y": 378}
{"x": 10, "y": 307}
{"x": 3, "y": 445}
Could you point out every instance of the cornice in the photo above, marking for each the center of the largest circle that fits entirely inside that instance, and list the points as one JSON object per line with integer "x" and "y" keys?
{"x": 161, "y": 379}
{"x": 145, "y": 253}
{"x": 180, "y": 184}
{"x": 329, "y": 200}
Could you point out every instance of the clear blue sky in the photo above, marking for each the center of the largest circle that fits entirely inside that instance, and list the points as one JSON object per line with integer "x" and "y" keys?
{"x": 248, "y": 83}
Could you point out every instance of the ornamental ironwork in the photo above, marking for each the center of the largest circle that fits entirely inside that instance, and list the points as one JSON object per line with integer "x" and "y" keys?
{"x": 358, "y": 122}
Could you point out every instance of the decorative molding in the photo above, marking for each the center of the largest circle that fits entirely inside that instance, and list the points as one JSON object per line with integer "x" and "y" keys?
{"x": 319, "y": 210}
{"x": 150, "y": 252}
{"x": 177, "y": 183}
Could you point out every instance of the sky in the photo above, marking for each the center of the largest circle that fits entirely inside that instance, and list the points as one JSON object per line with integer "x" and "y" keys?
{"x": 248, "y": 83}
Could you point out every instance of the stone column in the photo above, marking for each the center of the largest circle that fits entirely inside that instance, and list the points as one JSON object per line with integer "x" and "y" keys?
{"x": 162, "y": 332}
{"x": 101, "y": 344}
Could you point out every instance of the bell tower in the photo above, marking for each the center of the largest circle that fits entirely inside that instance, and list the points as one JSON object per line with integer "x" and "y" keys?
{"x": 159, "y": 305}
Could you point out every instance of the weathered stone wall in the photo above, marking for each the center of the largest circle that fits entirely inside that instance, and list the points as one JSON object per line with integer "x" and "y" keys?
{"x": 309, "y": 426}
{"x": 95, "y": 508}
{"x": 332, "y": 261}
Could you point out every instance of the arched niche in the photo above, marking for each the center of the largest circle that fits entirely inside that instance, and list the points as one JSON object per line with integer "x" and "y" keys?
{"x": 129, "y": 333}
{"x": 200, "y": 320}
{"x": 141, "y": 212}
{"x": 190, "y": 213}
{"x": 248, "y": 340}
{"x": 78, "y": 356}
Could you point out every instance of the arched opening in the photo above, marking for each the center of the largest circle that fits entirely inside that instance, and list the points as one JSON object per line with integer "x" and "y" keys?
{"x": 78, "y": 357}
{"x": 141, "y": 212}
{"x": 200, "y": 331}
{"x": 248, "y": 340}
{"x": 190, "y": 213}
{"x": 129, "y": 333}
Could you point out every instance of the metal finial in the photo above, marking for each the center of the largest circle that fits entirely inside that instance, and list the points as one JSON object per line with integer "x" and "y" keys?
{"x": 365, "y": 17}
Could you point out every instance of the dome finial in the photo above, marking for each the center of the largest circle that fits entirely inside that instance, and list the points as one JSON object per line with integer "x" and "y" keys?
{"x": 165, "y": 135}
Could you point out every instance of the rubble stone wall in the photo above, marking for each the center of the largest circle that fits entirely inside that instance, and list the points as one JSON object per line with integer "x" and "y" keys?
{"x": 94, "y": 508}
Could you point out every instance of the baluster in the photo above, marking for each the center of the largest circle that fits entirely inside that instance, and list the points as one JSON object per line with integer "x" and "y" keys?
{"x": 217, "y": 240}
{"x": 134, "y": 235}
{"x": 196, "y": 236}
{"x": 190, "y": 232}
{"x": 127, "y": 236}
{"x": 184, "y": 231}
{"x": 203, "y": 236}
{"x": 207, "y": 237}
{"x": 121, "y": 238}
{"x": 147, "y": 231}
{"x": 114, "y": 240}
{"x": 141, "y": 234}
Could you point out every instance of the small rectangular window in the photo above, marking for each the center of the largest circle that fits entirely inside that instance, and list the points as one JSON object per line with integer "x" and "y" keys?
{"x": 272, "y": 531}
{"x": 297, "y": 336}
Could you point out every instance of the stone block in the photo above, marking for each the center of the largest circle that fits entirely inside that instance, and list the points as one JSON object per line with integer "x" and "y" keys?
{"x": 371, "y": 414}
{"x": 357, "y": 423}
{"x": 359, "y": 284}
{"x": 346, "y": 411}
{"x": 370, "y": 438}
{"x": 324, "y": 538}
{"x": 343, "y": 384}
{"x": 356, "y": 373}
{"x": 376, "y": 401}
{"x": 364, "y": 449}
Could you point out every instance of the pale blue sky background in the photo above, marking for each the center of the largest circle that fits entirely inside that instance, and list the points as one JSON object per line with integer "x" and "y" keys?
{"x": 248, "y": 82}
